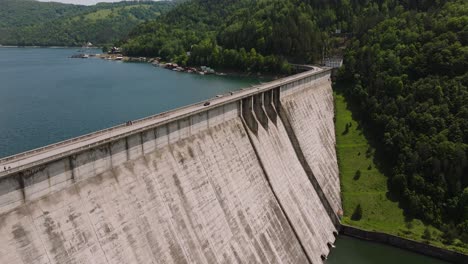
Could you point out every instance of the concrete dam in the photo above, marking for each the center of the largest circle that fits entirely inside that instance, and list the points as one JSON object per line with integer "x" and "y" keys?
{"x": 250, "y": 178}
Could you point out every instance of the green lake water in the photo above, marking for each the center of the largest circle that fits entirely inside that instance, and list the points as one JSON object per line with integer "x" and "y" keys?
{"x": 355, "y": 251}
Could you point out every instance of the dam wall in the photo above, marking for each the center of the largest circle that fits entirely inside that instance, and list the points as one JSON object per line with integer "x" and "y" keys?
{"x": 308, "y": 110}
{"x": 221, "y": 183}
{"x": 284, "y": 172}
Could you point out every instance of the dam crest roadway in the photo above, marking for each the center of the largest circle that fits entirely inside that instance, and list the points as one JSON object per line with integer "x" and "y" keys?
{"x": 251, "y": 177}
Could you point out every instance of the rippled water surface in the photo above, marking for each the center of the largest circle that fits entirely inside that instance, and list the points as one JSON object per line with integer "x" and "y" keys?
{"x": 47, "y": 97}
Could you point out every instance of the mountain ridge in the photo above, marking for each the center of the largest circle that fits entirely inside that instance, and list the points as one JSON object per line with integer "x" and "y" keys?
{"x": 32, "y": 23}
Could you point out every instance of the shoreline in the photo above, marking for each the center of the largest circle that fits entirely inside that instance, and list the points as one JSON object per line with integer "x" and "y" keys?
{"x": 223, "y": 72}
{"x": 44, "y": 47}
{"x": 203, "y": 70}
{"x": 405, "y": 243}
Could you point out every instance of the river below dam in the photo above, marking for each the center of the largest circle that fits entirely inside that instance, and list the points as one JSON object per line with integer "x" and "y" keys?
{"x": 355, "y": 251}
{"x": 46, "y": 97}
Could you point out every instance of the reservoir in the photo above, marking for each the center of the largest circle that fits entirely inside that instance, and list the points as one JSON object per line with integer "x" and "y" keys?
{"x": 46, "y": 97}
{"x": 352, "y": 250}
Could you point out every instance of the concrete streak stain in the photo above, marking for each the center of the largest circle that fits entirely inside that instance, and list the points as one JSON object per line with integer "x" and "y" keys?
{"x": 198, "y": 189}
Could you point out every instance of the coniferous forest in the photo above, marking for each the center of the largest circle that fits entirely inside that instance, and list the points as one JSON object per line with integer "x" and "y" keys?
{"x": 405, "y": 63}
{"x": 409, "y": 76}
{"x": 245, "y": 35}
{"x": 32, "y": 23}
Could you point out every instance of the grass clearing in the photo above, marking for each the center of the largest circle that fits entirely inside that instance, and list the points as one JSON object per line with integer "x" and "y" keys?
{"x": 369, "y": 187}
{"x": 99, "y": 14}
{"x": 106, "y": 13}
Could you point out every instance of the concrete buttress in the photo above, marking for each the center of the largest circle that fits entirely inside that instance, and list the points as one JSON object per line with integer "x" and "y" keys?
{"x": 225, "y": 183}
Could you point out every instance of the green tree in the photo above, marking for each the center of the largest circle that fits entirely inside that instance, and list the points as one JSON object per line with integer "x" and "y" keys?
{"x": 357, "y": 214}
{"x": 357, "y": 175}
{"x": 427, "y": 234}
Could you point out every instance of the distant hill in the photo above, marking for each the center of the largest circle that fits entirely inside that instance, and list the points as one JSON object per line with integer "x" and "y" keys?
{"x": 16, "y": 13}
{"x": 32, "y": 23}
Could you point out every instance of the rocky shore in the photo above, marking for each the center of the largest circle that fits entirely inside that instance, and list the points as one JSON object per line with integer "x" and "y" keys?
{"x": 156, "y": 62}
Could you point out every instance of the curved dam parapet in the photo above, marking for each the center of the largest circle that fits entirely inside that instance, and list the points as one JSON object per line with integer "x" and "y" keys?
{"x": 225, "y": 183}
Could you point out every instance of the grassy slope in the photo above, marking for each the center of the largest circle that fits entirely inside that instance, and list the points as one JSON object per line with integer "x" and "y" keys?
{"x": 105, "y": 13}
{"x": 56, "y": 24}
{"x": 370, "y": 190}
{"x": 98, "y": 14}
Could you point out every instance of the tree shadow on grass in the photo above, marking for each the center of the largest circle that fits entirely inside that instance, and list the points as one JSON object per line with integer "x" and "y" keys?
{"x": 345, "y": 132}
{"x": 392, "y": 197}
{"x": 383, "y": 163}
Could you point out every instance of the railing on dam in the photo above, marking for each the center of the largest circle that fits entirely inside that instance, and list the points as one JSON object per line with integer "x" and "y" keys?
{"x": 72, "y": 146}
{"x": 252, "y": 176}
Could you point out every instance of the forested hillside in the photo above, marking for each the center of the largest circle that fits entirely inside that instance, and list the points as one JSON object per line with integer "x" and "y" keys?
{"x": 249, "y": 35}
{"x": 408, "y": 62}
{"x": 16, "y": 13}
{"x": 258, "y": 35}
{"x": 27, "y": 22}
{"x": 410, "y": 81}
